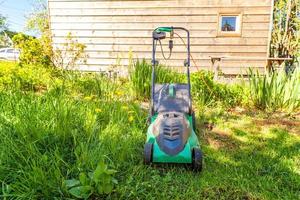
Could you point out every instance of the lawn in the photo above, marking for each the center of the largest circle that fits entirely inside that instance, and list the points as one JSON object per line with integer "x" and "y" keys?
{"x": 61, "y": 131}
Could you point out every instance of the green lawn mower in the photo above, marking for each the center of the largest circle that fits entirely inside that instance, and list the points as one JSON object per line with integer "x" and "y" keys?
{"x": 171, "y": 136}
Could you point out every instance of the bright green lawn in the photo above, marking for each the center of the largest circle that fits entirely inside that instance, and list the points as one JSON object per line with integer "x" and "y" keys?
{"x": 52, "y": 133}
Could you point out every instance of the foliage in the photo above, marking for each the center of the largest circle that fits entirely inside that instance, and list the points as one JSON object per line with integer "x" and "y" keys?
{"x": 41, "y": 50}
{"x": 53, "y": 140}
{"x": 208, "y": 92}
{"x": 3, "y": 23}
{"x": 25, "y": 77}
{"x": 204, "y": 89}
{"x": 32, "y": 50}
{"x": 62, "y": 130}
{"x": 276, "y": 90}
{"x": 70, "y": 53}
{"x": 286, "y": 25}
{"x": 98, "y": 182}
{"x": 38, "y": 20}
{"x": 140, "y": 76}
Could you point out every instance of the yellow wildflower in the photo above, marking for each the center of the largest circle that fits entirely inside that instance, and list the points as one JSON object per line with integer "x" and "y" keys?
{"x": 125, "y": 107}
{"x": 119, "y": 93}
{"x": 131, "y": 118}
{"x": 98, "y": 110}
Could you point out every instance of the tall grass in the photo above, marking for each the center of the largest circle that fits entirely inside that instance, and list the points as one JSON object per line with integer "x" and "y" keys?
{"x": 54, "y": 134}
{"x": 276, "y": 90}
{"x": 140, "y": 76}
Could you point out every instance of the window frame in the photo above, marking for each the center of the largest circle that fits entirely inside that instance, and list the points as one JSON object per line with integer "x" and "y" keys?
{"x": 237, "y": 33}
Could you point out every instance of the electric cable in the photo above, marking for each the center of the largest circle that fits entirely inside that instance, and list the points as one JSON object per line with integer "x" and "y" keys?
{"x": 162, "y": 52}
{"x": 182, "y": 40}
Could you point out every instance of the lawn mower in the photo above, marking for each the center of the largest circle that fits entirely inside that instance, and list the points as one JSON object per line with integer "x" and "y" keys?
{"x": 171, "y": 136}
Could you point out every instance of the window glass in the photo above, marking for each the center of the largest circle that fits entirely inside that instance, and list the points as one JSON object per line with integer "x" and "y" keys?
{"x": 229, "y": 24}
{"x": 10, "y": 51}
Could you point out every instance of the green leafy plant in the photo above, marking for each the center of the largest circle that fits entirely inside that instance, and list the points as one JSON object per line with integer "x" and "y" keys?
{"x": 208, "y": 92}
{"x": 276, "y": 90}
{"x": 100, "y": 181}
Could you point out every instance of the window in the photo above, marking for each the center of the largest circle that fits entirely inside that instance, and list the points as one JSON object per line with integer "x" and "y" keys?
{"x": 229, "y": 25}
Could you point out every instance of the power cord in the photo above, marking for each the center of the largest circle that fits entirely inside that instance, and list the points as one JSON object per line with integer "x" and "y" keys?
{"x": 182, "y": 40}
{"x": 162, "y": 50}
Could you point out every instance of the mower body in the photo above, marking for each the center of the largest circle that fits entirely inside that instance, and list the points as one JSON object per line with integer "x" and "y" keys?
{"x": 171, "y": 135}
{"x": 184, "y": 155}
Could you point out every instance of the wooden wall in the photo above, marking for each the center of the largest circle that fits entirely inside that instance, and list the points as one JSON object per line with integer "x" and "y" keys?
{"x": 110, "y": 29}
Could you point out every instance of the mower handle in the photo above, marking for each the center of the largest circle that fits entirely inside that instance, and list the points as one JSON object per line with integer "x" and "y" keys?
{"x": 187, "y": 63}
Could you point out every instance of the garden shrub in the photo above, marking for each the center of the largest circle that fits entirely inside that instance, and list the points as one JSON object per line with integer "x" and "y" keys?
{"x": 24, "y": 77}
{"x": 32, "y": 49}
{"x": 39, "y": 51}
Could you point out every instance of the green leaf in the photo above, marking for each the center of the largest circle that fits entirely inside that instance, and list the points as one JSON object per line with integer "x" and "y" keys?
{"x": 72, "y": 183}
{"x": 100, "y": 189}
{"x": 107, "y": 188}
{"x": 82, "y": 192}
{"x": 91, "y": 175}
{"x": 101, "y": 167}
{"x": 115, "y": 181}
{"x": 83, "y": 179}
{"x": 105, "y": 178}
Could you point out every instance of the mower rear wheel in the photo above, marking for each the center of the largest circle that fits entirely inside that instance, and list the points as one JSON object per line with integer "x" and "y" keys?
{"x": 197, "y": 160}
{"x": 148, "y": 151}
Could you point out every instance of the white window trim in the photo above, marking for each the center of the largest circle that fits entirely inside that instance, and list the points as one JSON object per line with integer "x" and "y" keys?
{"x": 237, "y": 32}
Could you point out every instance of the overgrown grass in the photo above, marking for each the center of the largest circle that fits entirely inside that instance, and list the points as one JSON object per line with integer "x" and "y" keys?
{"x": 52, "y": 135}
{"x": 204, "y": 89}
{"x": 140, "y": 76}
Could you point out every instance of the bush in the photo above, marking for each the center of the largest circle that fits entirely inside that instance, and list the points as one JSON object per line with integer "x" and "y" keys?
{"x": 33, "y": 51}
{"x": 24, "y": 77}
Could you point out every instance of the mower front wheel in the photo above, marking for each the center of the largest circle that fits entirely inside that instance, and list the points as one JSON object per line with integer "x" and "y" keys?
{"x": 197, "y": 160}
{"x": 148, "y": 151}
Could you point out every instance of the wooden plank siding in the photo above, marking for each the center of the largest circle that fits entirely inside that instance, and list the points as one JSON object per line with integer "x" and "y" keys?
{"x": 111, "y": 29}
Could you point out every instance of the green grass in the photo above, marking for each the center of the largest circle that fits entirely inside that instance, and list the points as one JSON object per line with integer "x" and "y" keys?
{"x": 52, "y": 134}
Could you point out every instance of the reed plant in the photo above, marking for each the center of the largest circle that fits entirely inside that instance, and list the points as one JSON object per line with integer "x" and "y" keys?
{"x": 275, "y": 91}
{"x": 140, "y": 77}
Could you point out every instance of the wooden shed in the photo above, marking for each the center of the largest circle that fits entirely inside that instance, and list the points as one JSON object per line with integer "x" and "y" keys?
{"x": 236, "y": 32}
